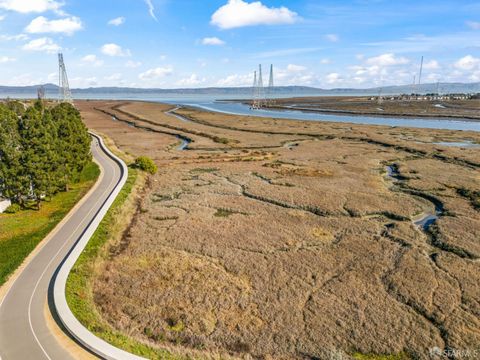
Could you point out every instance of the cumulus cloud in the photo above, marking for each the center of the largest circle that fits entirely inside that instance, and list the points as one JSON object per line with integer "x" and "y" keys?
{"x": 431, "y": 65}
{"x": 239, "y": 13}
{"x": 117, "y": 21}
{"x": 42, "y": 44}
{"x": 92, "y": 60}
{"x": 236, "y": 80}
{"x": 2, "y": 17}
{"x": 334, "y": 78}
{"x": 388, "y": 59}
{"x": 151, "y": 9}
{"x": 6, "y": 59}
{"x": 467, "y": 63}
{"x": 28, "y": 6}
{"x": 192, "y": 80}
{"x": 114, "y": 50}
{"x": 332, "y": 37}
{"x": 295, "y": 68}
{"x": 156, "y": 73}
{"x": 212, "y": 41}
{"x": 42, "y": 25}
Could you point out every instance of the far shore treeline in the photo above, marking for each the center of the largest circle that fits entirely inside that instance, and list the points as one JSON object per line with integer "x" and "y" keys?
{"x": 42, "y": 149}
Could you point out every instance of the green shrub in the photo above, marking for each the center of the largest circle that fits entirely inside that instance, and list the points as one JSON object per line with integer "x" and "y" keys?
{"x": 146, "y": 164}
{"x": 13, "y": 209}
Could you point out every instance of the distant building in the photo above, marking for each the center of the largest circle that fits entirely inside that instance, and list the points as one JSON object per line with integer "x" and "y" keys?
{"x": 429, "y": 97}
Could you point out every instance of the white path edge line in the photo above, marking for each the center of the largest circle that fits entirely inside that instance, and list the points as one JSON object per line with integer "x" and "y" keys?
{"x": 53, "y": 258}
{"x": 98, "y": 346}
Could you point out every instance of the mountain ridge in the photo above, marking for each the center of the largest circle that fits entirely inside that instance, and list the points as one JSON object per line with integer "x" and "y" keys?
{"x": 279, "y": 90}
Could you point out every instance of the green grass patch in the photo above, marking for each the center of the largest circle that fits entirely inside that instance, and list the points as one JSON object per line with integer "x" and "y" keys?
{"x": 203, "y": 170}
{"x": 399, "y": 356}
{"x": 79, "y": 284}
{"x": 21, "y": 232}
{"x": 222, "y": 212}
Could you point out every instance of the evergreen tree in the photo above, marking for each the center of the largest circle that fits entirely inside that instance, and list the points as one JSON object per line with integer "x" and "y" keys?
{"x": 42, "y": 150}
{"x": 10, "y": 153}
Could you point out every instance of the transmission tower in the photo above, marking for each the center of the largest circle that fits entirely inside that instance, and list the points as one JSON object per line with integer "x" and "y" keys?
{"x": 65, "y": 94}
{"x": 420, "y": 73}
{"x": 41, "y": 93}
{"x": 271, "y": 100}
{"x": 259, "y": 92}
{"x": 254, "y": 88}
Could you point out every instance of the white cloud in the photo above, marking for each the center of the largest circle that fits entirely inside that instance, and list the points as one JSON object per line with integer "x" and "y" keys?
{"x": 192, "y": 80}
{"x": 115, "y": 50}
{"x": 239, "y": 13}
{"x": 333, "y": 78}
{"x": 151, "y": 9}
{"x": 293, "y": 75}
{"x": 325, "y": 61}
{"x": 14, "y": 37}
{"x": 212, "y": 41}
{"x": 133, "y": 64}
{"x": 387, "y": 60}
{"x": 42, "y": 25}
{"x": 431, "y": 65}
{"x": 236, "y": 80}
{"x": 467, "y": 63}
{"x": 2, "y": 17}
{"x": 42, "y": 44}
{"x": 295, "y": 68}
{"x": 117, "y": 21}
{"x": 332, "y": 37}
{"x": 6, "y": 59}
{"x": 156, "y": 73}
{"x": 474, "y": 25}
{"x": 28, "y": 6}
{"x": 92, "y": 60}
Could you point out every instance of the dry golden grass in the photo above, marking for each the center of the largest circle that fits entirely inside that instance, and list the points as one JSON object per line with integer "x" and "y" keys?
{"x": 294, "y": 252}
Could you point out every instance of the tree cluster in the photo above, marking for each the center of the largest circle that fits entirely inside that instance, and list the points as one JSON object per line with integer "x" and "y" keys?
{"x": 42, "y": 150}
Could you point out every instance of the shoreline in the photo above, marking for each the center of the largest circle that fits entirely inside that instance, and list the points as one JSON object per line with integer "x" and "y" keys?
{"x": 405, "y": 116}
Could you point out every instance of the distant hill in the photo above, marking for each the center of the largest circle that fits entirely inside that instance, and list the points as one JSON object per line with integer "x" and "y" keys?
{"x": 51, "y": 90}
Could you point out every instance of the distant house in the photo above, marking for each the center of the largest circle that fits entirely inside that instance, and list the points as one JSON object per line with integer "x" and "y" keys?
{"x": 4, "y": 204}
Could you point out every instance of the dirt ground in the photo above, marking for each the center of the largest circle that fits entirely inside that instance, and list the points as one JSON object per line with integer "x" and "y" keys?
{"x": 280, "y": 239}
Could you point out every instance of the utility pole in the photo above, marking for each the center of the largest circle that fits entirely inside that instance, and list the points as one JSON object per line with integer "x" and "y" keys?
{"x": 64, "y": 94}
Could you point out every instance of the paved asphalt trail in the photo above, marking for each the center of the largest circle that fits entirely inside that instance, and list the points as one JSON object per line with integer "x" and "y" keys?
{"x": 24, "y": 334}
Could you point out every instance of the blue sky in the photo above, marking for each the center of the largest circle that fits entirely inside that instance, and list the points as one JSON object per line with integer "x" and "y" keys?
{"x": 191, "y": 43}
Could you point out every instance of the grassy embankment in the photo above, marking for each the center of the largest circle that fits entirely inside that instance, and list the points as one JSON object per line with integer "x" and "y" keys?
{"x": 21, "y": 232}
{"x": 79, "y": 290}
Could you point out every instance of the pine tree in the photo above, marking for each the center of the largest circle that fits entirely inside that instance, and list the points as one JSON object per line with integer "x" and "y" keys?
{"x": 10, "y": 153}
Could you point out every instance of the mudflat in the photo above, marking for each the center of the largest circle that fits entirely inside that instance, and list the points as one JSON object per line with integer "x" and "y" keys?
{"x": 467, "y": 109}
{"x": 283, "y": 239}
